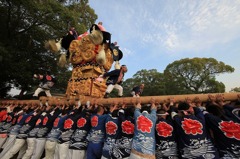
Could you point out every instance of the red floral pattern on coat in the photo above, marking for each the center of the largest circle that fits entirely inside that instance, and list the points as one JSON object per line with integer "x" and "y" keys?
{"x": 28, "y": 119}
{"x": 111, "y": 128}
{"x": 94, "y": 121}
{"x": 230, "y": 129}
{"x": 56, "y": 121}
{"x": 68, "y": 124}
{"x": 4, "y": 117}
{"x": 45, "y": 120}
{"x": 144, "y": 124}
{"x": 14, "y": 120}
{"x": 38, "y": 121}
{"x": 19, "y": 118}
{"x": 164, "y": 129}
{"x": 191, "y": 126}
{"x": 49, "y": 78}
{"x": 9, "y": 118}
{"x": 127, "y": 127}
{"x": 81, "y": 122}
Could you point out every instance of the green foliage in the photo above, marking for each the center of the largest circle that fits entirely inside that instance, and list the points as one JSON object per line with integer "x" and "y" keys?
{"x": 197, "y": 75}
{"x": 186, "y": 76}
{"x": 153, "y": 81}
{"x": 236, "y": 89}
{"x": 25, "y": 25}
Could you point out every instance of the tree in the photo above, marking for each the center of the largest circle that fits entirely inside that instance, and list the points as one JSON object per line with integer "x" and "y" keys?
{"x": 236, "y": 89}
{"x": 197, "y": 75}
{"x": 25, "y": 25}
{"x": 153, "y": 81}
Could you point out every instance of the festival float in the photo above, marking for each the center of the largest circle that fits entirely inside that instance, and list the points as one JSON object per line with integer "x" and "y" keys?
{"x": 92, "y": 54}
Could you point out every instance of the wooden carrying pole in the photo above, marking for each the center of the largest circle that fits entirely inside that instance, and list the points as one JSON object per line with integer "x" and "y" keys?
{"x": 127, "y": 100}
{"x": 160, "y": 99}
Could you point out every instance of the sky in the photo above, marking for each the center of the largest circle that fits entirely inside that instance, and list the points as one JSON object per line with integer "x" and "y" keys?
{"x": 155, "y": 33}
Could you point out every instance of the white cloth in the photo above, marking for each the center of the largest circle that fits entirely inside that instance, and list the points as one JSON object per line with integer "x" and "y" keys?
{"x": 19, "y": 143}
{"x": 39, "y": 148}
{"x": 50, "y": 148}
{"x": 134, "y": 156}
{"x": 38, "y": 90}
{"x": 3, "y": 139}
{"x": 61, "y": 151}
{"x": 76, "y": 154}
{"x": 134, "y": 94}
{"x": 8, "y": 144}
{"x": 22, "y": 151}
{"x": 110, "y": 87}
{"x": 30, "y": 148}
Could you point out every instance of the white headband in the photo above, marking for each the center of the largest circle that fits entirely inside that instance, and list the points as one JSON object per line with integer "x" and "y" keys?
{"x": 166, "y": 113}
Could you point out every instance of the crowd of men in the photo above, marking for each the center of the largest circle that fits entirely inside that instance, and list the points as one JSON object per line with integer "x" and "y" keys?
{"x": 182, "y": 129}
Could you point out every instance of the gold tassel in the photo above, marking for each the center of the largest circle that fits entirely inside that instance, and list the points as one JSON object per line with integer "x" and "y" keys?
{"x": 117, "y": 65}
{"x": 96, "y": 37}
{"x": 62, "y": 60}
{"x": 101, "y": 57}
{"x": 52, "y": 45}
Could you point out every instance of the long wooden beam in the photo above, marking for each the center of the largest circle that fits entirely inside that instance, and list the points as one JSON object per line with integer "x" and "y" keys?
{"x": 127, "y": 100}
{"x": 161, "y": 99}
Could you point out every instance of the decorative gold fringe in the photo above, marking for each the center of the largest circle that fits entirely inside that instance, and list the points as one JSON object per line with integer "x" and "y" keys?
{"x": 96, "y": 37}
{"x": 117, "y": 65}
{"x": 101, "y": 57}
{"x": 51, "y": 45}
{"x": 62, "y": 60}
